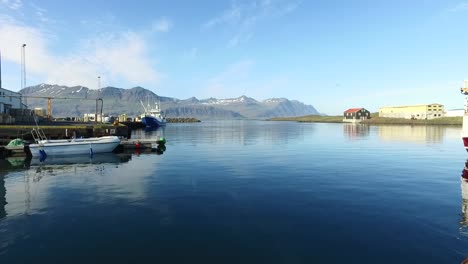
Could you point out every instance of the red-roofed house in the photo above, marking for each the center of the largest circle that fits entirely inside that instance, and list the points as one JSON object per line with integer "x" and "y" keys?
{"x": 355, "y": 115}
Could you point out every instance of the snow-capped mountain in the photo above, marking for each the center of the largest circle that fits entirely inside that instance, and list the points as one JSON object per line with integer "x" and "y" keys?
{"x": 77, "y": 100}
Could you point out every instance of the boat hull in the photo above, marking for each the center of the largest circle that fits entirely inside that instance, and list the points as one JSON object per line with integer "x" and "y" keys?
{"x": 75, "y": 146}
{"x": 151, "y": 121}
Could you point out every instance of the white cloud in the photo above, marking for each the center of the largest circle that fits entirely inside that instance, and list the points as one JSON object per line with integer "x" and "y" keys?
{"x": 162, "y": 25}
{"x": 243, "y": 18}
{"x": 118, "y": 57}
{"x": 12, "y": 4}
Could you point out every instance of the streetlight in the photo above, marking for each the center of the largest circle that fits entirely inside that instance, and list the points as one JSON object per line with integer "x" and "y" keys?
{"x": 23, "y": 73}
{"x": 98, "y": 98}
{"x": 0, "y": 69}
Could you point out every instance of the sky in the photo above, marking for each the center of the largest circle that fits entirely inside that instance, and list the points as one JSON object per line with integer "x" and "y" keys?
{"x": 331, "y": 54}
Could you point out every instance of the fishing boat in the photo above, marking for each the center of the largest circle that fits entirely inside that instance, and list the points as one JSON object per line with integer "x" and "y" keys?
{"x": 153, "y": 116}
{"x": 44, "y": 147}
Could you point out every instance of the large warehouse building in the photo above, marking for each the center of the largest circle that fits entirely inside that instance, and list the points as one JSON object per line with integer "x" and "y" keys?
{"x": 429, "y": 111}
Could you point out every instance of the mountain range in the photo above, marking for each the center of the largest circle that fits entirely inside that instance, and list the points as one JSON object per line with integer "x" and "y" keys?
{"x": 78, "y": 100}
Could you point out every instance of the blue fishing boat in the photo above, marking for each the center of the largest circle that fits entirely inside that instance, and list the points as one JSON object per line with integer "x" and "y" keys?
{"x": 153, "y": 116}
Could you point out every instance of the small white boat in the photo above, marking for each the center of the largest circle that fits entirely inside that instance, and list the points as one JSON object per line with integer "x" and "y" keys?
{"x": 72, "y": 146}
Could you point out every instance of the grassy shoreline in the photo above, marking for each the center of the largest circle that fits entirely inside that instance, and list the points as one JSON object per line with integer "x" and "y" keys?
{"x": 375, "y": 120}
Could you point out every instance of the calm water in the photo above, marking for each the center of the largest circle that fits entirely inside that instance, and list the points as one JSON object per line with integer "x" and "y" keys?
{"x": 245, "y": 192}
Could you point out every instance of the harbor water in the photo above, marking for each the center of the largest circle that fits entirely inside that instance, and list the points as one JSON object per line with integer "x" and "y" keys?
{"x": 245, "y": 192}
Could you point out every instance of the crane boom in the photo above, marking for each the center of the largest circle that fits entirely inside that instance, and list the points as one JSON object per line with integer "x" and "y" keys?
{"x": 49, "y": 101}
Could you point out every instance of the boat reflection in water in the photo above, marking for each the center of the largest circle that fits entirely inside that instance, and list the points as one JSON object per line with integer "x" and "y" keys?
{"x": 99, "y": 158}
{"x": 464, "y": 209}
{"x": 2, "y": 196}
{"x": 464, "y": 190}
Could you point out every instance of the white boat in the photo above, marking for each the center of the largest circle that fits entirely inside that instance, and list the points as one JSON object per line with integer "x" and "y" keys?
{"x": 71, "y": 146}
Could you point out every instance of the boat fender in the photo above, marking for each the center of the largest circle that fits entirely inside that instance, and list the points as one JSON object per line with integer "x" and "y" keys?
{"x": 42, "y": 155}
{"x": 137, "y": 145}
{"x": 91, "y": 152}
{"x": 161, "y": 141}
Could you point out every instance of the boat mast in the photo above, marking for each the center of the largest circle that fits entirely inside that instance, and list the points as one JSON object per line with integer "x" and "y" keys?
{"x": 464, "y": 90}
{"x": 144, "y": 108}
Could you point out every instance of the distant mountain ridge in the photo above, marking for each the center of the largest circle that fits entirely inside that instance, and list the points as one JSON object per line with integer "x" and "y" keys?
{"x": 80, "y": 100}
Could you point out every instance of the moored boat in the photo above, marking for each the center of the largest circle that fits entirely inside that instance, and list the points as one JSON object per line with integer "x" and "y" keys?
{"x": 43, "y": 146}
{"x": 153, "y": 116}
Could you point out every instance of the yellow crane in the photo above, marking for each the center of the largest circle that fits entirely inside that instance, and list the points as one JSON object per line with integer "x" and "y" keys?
{"x": 49, "y": 102}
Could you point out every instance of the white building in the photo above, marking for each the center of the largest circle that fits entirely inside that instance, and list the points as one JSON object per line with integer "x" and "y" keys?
{"x": 9, "y": 100}
{"x": 455, "y": 112}
{"x": 429, "y": 111}
{"x": 92, "y": 118}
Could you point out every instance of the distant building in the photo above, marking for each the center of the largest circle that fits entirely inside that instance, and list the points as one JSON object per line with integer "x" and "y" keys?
{"x": 10, "y": 100}
{"x": 454, "y": 112}
{"x": 40, "y": 112}
{"x": 92, "y": 118}
{"x": 12, "y": 108}
{"x": 429, "y": 111}
{"x": 355, "y": 115}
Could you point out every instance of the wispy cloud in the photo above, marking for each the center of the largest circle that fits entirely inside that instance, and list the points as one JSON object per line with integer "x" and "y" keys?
{"x": 241, "y": 78}
{"x": 162, "y": 25}
{"x": 228, "y": 82}
{"x": 459, "y": 8}
{"x": 242, "y": 19}
{"x": 122, "y": 58}
{"x": 41, "y": 13}
{"x": 12, "y": 4}
{"x": 190, "y": 54}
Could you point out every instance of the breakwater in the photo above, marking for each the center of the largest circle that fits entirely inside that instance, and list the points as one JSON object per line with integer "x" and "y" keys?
{"x": 182, "y": 120}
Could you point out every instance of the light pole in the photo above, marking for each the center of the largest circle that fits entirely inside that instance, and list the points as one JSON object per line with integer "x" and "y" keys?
{"x": 23, "y": 73}
{"x": 98, "y": 98}
{"x": 0, "y": 69}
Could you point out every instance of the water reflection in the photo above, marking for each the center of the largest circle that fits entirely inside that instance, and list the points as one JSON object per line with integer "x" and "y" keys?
{"x": 2, "y": 197}
{"x": 149, "y": 133}
{"x": 105, "y": 178}
{"x": 354, "y": 131}
{"x": 464, "y": 191}
{"x": 414, "y": 134}
{"x": 241, "y": 132}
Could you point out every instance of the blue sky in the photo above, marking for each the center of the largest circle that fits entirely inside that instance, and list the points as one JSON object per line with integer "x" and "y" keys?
{"x": 332, "y": 54}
